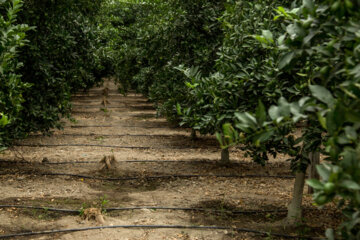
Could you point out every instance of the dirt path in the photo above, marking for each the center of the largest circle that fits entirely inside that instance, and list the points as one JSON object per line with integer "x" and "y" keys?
{"x": 144, "y": 146}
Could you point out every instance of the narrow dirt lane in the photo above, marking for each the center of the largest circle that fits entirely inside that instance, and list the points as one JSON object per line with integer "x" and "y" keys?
{"x": 55, "y": 171}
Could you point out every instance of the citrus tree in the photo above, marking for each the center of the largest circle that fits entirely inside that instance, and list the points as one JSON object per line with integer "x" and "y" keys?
{"x": 154, "y": 37}
{"x": 244, "y": 72}
{"x": 60, "y": 57}
{"x": 321, "y": 45}
{"x": 11, "y": 87}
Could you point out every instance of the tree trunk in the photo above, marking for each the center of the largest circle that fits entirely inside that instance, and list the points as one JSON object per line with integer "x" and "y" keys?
{"x": 193, "y": 134}
{"x": 225, "y": 156}
{"x": 313, "y": 174}
{"x": 294, "y": 208}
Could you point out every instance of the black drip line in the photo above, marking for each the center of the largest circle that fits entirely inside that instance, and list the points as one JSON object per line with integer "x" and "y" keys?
{"x": 159, "y": 176}
{"x": 79, "y": 145}
{"x": 90, "y": 126}
{"x": 100, "y": 107}
{"x": 102, "y": 146}
{"x": 130, "y": 107}
{"x": 51, "y": 209}
{"x": 107, "y": 135}
{"x": 142, "y": 101}
{"x": 101, "y": 95}
{"x": 109, "y": 126}
{"x": 156, "y": 227}
{"x": 126, "y": 161}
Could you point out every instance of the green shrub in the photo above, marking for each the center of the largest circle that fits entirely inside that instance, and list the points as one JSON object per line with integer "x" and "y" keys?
{"x": 61, "y": 56}
{"x": 156, "y": 37}
{"x": 60, "y": 59}
{"x": 321, "y": 44}
{"x": 245, "y": 69}
{"x": 11, "y": 86}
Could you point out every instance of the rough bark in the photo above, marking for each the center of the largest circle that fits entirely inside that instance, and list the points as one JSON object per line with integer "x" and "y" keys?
{"x": 294, "y": 208}
{"x": 193, "y": 134}
{"x": 313, "y": 174}
{"x": 225, "y": 156}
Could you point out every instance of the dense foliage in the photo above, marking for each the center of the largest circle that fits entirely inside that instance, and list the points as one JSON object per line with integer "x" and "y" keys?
{"x": 60, "y": 57}
{"x": 298, "y": 65}
{"x": 11, "y": 86}
{"x": 154, "y": 38}
{"x": 321, "y": 44}
{"x": 244, "y": 70}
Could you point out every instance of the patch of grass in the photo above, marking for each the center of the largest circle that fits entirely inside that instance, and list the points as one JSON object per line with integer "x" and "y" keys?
{"x": 42, "y": 214}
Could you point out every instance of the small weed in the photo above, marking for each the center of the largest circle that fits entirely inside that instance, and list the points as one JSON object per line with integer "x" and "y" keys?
{"x": 81, "y": 212}
{"x": 99, "y": 138}
{"x": 82, "y": 209}
{"x": 103, "y": 202}
{"x": 73, "y": 120}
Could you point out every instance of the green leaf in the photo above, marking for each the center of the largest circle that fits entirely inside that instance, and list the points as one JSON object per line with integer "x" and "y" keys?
{"x": 260, "y": 113}
{"x": 349, "y": 184}
{"x": 322, "y": 120}
{"x": 316, "y": 184}
{"x": 178, "y": 109}
{"x": 262, "y": 137}
{"x": 324, "y": 171}
{"x": 189, "y": 85}
{"x": 309, "y": 4}
{"x": 268, "y": 36}
{"x": 3, "y": 120}
{"x": 286, "y": 59}
{"x": 322, "y": 94}
{"x": 350, "y": 133}
{"x": 273, "y": 112}
{"x": 219, "y": 138}
{"x": 331, "y": 124}
{"x": 228, "y": 132}
{"x": 247, "y": 119}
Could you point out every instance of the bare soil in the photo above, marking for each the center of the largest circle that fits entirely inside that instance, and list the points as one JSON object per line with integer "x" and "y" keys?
{"x": 131, "y": 121}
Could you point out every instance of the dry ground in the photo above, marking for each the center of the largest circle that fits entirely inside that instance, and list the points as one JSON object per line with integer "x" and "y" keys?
{"x": 131, "y": 122}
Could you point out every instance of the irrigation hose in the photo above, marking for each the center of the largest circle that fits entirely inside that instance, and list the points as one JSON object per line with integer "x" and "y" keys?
{"x": 107, "y": 135}
{"x": 41, "y": 208}
{"x": 79, "y": 145}
{"x": 158, "y": 177}
{"x": 142, "y": 108}
{"x": 155, "y": 227}
{"x": 100, "y": 95}
{"x": 101, "y": 146}
{"x": 125, "y": 161}
{"x": 89, "y": 126}
{"x": 108, "y": 126}
{"x": 51, "y": 209}
{"x": 99, "y": 107}
{"x": 129, "y": 161}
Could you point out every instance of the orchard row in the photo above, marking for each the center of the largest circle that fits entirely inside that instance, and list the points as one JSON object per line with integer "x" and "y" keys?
{"x": 252, "y": 72}
{"x": 271, "y": 77}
